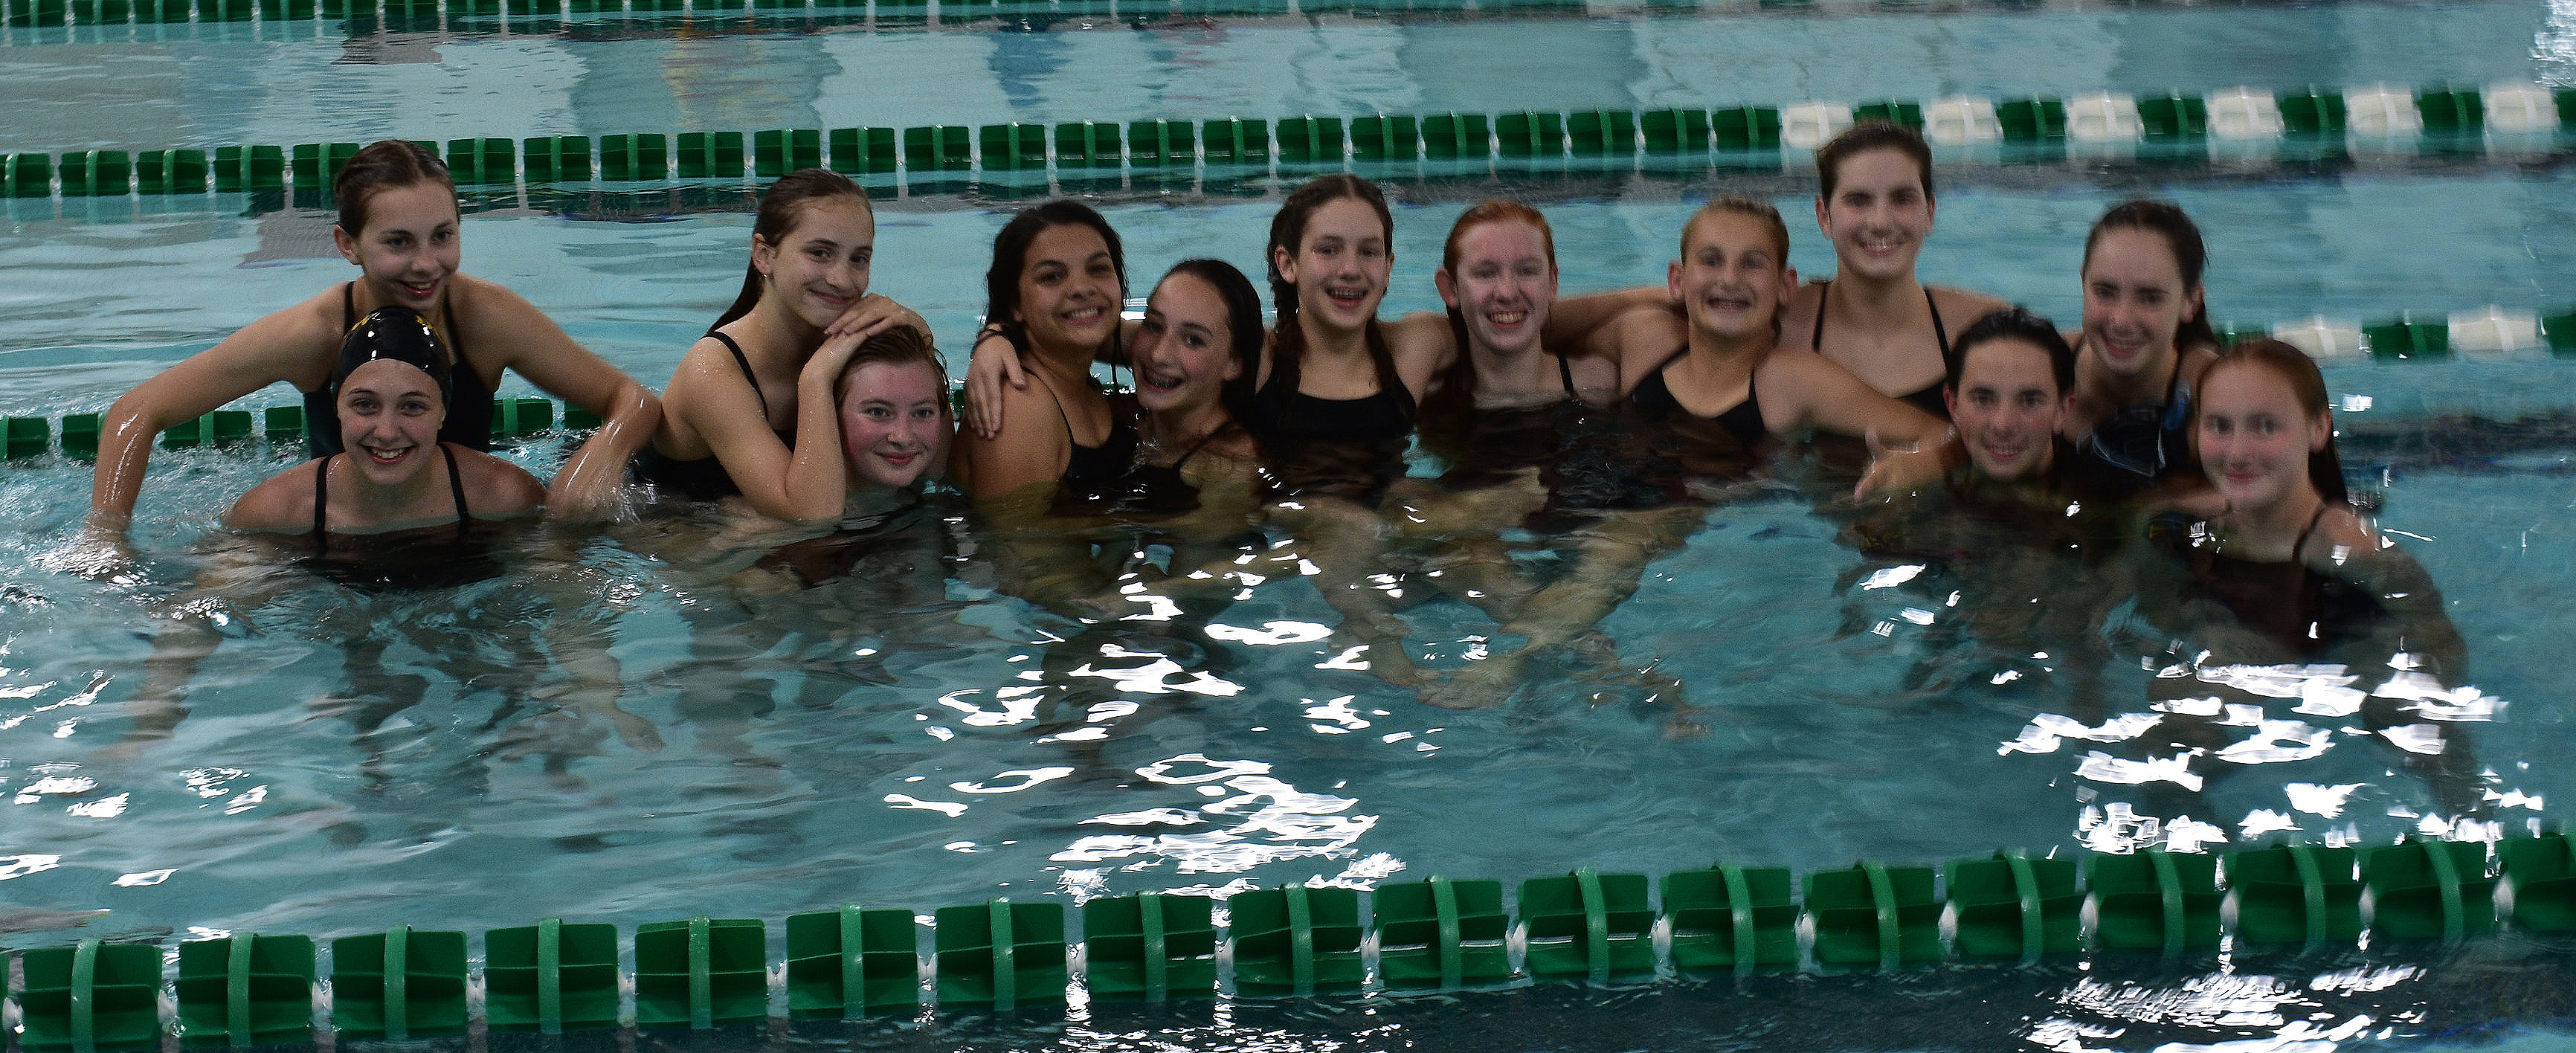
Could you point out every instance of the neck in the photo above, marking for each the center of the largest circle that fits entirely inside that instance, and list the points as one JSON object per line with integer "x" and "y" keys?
{"x": 1331, "y": 343}
{"x": 1870, "y": 297}
{"x": 1181, "y": 427}
{"x": 382, "y": 503}
{"x": 2144, "y": 386}
{"x": 2277, "y": 524}
{"x": 1527, "y": 370}
{"x": 1715, "y": 348}
{"x": 368, "y": 300}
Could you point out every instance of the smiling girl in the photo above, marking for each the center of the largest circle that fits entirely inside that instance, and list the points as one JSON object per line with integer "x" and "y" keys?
{"x": 2145, "y": 343}
{"x": 398, "y": 224}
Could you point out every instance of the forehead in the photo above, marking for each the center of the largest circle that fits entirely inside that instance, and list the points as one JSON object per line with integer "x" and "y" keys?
{"x": 387, "y": 377}
{"x": 2248, "y": 384}
{"x": 2134, "y": 253}
{"x": 1501, "y": 239}
{"x": 1878, "y": 169}
{"x": 1068, "y": 241}
{"x": 2007, "y": 362}
{"x": 1348, "y": 218}
{"x": 894, "y": 382}
{"x": 840, "y": 218}
{"x": 412, "y": 206}
{"x": 1187, "y": 297}
{"x": 1730, "y": 231}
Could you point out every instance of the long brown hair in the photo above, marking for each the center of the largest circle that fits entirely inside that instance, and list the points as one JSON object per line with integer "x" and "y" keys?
{"x": 2307, "y": 384}
{"x": 781, "y": 206}
{"x": 1287, "y": 231}
{"x": 385, "y": 164}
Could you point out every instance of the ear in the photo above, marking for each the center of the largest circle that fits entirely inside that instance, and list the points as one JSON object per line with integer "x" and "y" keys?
{"x": 1286, "y": 262}
{"x": 1673, "y": 281}
{"x": 763, "y": 255}
{"x": 1950, "y": 400}
{"x": 346, "y": 242}
{"x": 2191, "y": 305}
{"x": 1821, "y": 224}
{"x": 2324, "y": 429}
{"x": 1448, "y": 286}
{"x": 1788, "y": 287}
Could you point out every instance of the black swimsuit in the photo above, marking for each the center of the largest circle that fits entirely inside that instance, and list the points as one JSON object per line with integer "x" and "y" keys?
{"x": 1927, "y": 399}
{"x": 469, "y": 402}
{"x": 2286, "y": 601}
{"x": 2144, "y": 443}
{"x": 1093, "y": 476}
{"x": 322, "y": 499}
{"x": 1742, "y": 420}
{"x": 705, "y": 478}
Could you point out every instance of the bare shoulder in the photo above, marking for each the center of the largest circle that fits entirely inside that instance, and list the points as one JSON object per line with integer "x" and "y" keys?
{"x": 1961, "y": 306}
{"x": 282, "y": 502}
{"x": 494, "y": 487}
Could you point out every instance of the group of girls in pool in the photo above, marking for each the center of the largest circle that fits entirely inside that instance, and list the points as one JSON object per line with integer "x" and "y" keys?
{"x": 810, "y": 396}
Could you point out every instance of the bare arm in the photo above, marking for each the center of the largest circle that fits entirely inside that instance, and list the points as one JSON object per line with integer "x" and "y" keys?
{"x": 1800, "y": 390}
{"x": 292, "y": 345}
{"x": 510, "y": 333}
{"x": 1034, "y": 450}
{"x": 806, "y": 483}
{"x": 1573, "y": 319}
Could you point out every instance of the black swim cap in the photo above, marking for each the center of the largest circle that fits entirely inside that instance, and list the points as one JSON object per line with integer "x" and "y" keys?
{"x": 397, "y": 333}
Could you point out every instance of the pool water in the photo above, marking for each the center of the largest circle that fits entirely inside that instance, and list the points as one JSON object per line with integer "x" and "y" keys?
{"x": 910, "y": 735}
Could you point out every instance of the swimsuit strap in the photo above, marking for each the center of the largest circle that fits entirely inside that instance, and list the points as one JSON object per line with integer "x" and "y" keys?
{"x": 455, "y": 338}
{"x": 1940, "y": 333}
{"x": 1195, "y": 447}
{"x": 321, "y": 499}
{"x": 1816, "y": 342}
{"x": 1565, "y": 373}
{"x": 1668, "y": 361}
{"x": 348, "y": 306}
{"x": 456, "y": 489}
{"x": 740, "y": 360}
{"x": 2311, "y": 528}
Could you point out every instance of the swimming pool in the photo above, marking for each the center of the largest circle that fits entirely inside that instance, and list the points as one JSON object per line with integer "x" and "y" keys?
{"x": 1246, "y": 760}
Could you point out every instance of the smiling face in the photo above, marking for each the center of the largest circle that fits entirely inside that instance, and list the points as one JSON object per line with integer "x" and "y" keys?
{"x": 1503, "y": 285}
{"x": 820, "y": 265}
{"x": 1069, "y": 289}
{"x": 1339, "y": 267}
{"x": 408, "y": 249}
{"x": 2255, "y": 437}
{"x": 2007, "y": 407}
{"x": 2134, "y": 301}
{"x": 1182, "y": 361}
{"x": 1732, "y": 277}
{"x": 894, "y": 422}
{"x": 389, "y": 417}
{"x": 1878, "y": 214}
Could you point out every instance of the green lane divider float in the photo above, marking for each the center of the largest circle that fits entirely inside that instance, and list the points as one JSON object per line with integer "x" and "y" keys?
{"x": 248, "y": 989}
{"x": 2488, "y": 333}
{"x": 2523, "y": 118}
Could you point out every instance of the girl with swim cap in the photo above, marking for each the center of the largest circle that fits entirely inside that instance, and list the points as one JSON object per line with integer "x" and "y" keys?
{"x": 398, "y": 224}
{"x": 750, "y": 410}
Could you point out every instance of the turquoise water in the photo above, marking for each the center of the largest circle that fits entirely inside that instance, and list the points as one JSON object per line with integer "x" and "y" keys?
{"x": 913, "y": 737}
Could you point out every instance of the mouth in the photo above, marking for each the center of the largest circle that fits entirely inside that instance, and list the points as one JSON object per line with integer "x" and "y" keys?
{"x": 418, "y": 290}
{"x": 2005, "y": 452}
{"x": 387, "y": 455}
{"x": 1346, "y": 297}
{"x": 1507, "y": 319}
{"x": 831, "y": 299}
{"x": 1082, "y": 316}
{"x": 1160, "y": 382}
{"x": 1879, "y": 244}
{"x": 1727, "y": 303}
{"x": 899, "y": 459}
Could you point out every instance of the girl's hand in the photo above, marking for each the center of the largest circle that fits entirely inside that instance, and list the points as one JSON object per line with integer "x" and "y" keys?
{"x": 873, "y": 314}
{"x": 990, "y": 365}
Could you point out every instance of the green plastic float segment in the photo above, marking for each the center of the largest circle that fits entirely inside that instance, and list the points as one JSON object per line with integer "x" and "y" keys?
{"x": 2173, "y": 117}
{"x": 701, "y": 972}
{"x": 1014, "y": 147}
{"x": 222, "y": 427}
{"x": 1151, "y": 946}
{"x": 1309, "y": 140}
{"x": 29, "y": 437}
{"x": 1675, "y": 131}
{"x": 80, "y": 435}
{"x": 1162, "y": 144}
{"x": 1746, "y": 128}
{"x": 1235, "y": 141}
{"x": 1087, "y": 144}
{"x": 483, "y": 162}
{"x": 1455, "y": 136}
{"x": 634, "y": 158}
{"x": 283, "y": 424}
{"x": 96, "y": 173}
{"x": 30, "y": 14}
{"x": 1442, "y": 934}
{"x": 1296, "y": 941}
{"x": 2451, "y": 110}
{"x": 27, "y": 175}
{"x": 2427, "y": 890}
{"x": 2032, "y": 120}
{"x": 1875, "y": 916}
{"x": 240, "y": 169}
{"x": 778, "y": 152}
{"x": 2154, "y": 900}
{"x": 578, "y": 419}
{"x": 862, "y": 151}
{"x": 90, "y": 996}
{"x": 1588, "y": 924}
{"x": 851, "y": 962}
{"x": 2312, "y": 112}
{"x": 1731, "y": 919}
{"x": 2408, "y": 340}
{"x": 1909, "y": 114}
{"x": 2295, "y": 894}
{"x": 1530, "y": 134}
{"x": 171, "y": 171}
{"x": 1386, "y": 137}
{"x": 999, "y": 954}
{"x": 2230, "y": 332}
{"x": 318, "y": 164}
{"x": 2542, "y": 872}
{"x": 2559, "y": 332}
{"x": 101, "y": 12}
{"x": 1602, "y": 133}
{"x": 709, "y": 155}
{"x": 556, "y": 159}
{"x": 398, "y": 985}
{"x": 939, "y": 148}
{"x": 550, "y": 977}
{"x": 2015, "y": 907}
{"x": 246, "y": 990}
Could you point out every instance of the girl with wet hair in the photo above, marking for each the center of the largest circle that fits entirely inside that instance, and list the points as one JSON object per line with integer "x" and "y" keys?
{"x": 2145, "y": 343}
{"x": 1052, "y": 298}
{"x": 399, "y": 226}
{"x": 750, "y": 410}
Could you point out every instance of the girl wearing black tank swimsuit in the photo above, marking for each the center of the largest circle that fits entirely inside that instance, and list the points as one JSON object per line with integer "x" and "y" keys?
{"x": 1053, "y": 292}
{"x": 750, "y": 411}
